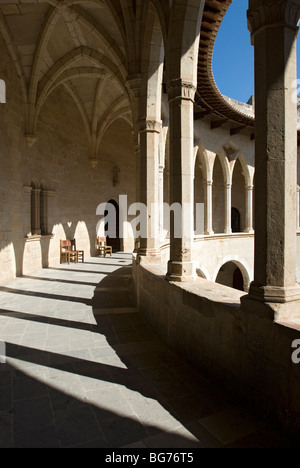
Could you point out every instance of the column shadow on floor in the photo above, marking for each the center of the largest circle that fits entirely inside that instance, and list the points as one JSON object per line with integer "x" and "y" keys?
{"x": 160, "y": 401}
{"x": 157, "y": 372}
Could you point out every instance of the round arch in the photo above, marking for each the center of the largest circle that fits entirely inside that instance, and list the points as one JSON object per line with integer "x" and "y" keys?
{"x": 202, "y": 273}
{"x": 236, "y": 263}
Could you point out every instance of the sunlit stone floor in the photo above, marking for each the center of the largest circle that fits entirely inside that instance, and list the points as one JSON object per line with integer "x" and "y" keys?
{"x": 83, "y": 370}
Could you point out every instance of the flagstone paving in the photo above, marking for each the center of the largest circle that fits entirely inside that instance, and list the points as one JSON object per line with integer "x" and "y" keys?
{"x": 83, "y": 370}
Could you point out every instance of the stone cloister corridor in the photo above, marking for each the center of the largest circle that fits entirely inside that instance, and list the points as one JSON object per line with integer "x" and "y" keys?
{"x": 112, "y": 127}
{"x": 83, "y": 370}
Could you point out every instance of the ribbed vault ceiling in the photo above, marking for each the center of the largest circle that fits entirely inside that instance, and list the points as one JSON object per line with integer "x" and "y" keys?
{"x": 86, "y": 46}
{"x": 89, "y": 47}
{"x": 76, "y": 44}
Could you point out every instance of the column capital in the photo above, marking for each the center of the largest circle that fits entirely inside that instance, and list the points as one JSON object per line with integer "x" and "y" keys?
{"x": 268, "y": 13}
{"x": 149, "y": 126}
{"x": 180, "y": 89}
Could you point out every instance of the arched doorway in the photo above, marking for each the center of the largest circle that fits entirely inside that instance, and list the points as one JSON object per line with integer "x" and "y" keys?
{"x": 112, "y": 226}
{"x": 230, "y": 275}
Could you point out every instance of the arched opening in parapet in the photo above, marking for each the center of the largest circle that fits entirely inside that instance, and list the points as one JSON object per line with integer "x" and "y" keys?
{"x": 232, "y": 276}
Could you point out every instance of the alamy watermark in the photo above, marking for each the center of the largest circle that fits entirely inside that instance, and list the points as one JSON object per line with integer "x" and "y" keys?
{"x": 296, "y": 353}
{"x": 2, "y": 92}
{"x": 2, "y": 352}
{"x": 140, "y": 221}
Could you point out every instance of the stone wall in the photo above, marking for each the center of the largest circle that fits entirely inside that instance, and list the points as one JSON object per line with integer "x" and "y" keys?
{"x": 59, "y": 160}
{"x": 239, "y": 347}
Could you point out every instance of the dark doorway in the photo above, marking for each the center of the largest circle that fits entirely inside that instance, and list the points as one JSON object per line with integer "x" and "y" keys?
{"x": 113, "y": 226}
{"x": 235, "y": 220}
{"x": 238, "y": 280}
{"x": 230, "y": 275}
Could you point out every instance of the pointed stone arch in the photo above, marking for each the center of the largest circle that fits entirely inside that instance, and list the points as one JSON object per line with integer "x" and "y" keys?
{"x": 225, "y": 165}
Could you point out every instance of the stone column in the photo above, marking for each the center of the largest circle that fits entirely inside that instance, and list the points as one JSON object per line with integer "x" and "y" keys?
{"x": 149, "y": 131}
{"x": 137, "y": 242}
{"x": 249, "y": 209}
{"x": 228, "y": 227}
{"x": 273, "y": 25}
{"x": 133, "y": 84}
{"x": 208, "y": 228}
{"x": 181, "y": 102}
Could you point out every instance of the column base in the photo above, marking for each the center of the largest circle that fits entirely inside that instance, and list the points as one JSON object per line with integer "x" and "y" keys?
{"x": 280, "y": 313}
{"x": 274, "y": 294}
{"x": 181, "y": 272}
{"x": 148, "y": 256}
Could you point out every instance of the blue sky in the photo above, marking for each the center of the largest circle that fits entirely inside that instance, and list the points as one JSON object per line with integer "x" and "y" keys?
{"x": 233, "y": 61}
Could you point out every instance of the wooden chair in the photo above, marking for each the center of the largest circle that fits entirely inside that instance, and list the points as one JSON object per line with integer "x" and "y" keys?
{"x": 80, "y": 253}
{"x": 102, "y": 247}
{"x": 66, "y": 253}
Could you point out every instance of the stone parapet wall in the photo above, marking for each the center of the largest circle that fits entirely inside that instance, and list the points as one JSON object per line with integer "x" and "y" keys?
{"x": 239, "y": 347}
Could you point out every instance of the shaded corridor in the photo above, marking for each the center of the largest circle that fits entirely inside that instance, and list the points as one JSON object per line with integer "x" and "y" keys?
{"x": 84, "y": 370}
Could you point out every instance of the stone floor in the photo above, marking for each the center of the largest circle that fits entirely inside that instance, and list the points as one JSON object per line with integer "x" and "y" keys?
{"x": 83, "y": 370}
